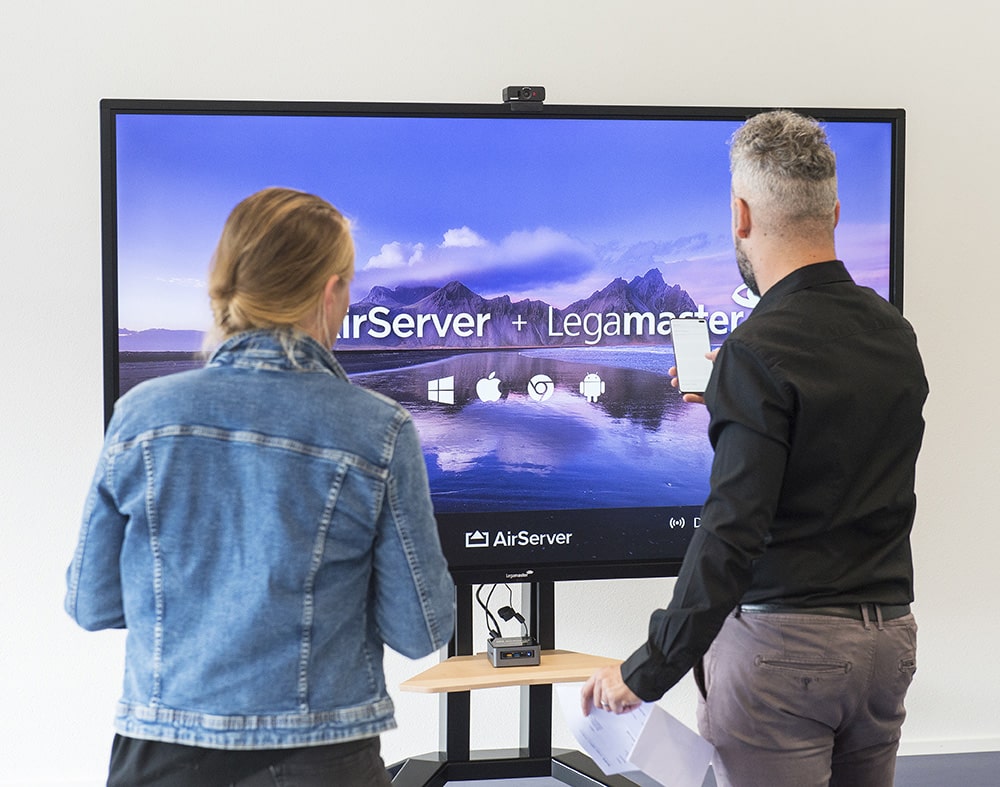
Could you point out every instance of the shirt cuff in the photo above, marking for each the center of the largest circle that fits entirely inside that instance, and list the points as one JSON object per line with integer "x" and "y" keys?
{"x": 648, "y": 674}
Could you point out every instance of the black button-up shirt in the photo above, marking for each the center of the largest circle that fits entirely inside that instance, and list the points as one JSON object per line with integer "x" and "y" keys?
{"x": 815, "y": 404}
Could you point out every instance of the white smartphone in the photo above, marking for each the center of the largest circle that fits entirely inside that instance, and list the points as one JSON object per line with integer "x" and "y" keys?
{"x": 690, "y": 338}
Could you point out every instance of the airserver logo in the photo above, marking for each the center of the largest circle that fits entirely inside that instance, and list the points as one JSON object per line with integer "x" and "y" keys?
{"x": 475, "y": 539}
{"x": 478, "y": 538}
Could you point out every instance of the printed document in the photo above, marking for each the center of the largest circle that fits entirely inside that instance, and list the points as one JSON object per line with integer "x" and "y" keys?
{"x": 647, "y": 739}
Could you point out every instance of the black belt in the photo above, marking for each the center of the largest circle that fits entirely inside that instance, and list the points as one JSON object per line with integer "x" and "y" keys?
{"x": 852, "y": 611}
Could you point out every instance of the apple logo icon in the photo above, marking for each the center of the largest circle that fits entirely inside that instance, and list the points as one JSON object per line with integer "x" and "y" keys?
{"x": 488, "y": 388}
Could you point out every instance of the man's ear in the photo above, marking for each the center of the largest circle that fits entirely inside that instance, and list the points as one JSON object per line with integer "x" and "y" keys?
{"x": 741, "y": 218}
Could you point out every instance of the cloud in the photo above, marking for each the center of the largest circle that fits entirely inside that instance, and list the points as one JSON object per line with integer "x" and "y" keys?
{"x": 552, "y": 265}
{"x": 396, "y": 255}
{"x": 523, "y": 261}
{"x": 520, "y": 261}
{"x": 528, "y": 246}
{"x": 463, "y": 237}
{"x": 181, "y": 281}
{"x": 663, "y": 252}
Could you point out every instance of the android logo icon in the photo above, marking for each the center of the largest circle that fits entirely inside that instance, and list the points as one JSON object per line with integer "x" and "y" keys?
{"x": 488, "y": 388}
{"x": 592, "y": 386}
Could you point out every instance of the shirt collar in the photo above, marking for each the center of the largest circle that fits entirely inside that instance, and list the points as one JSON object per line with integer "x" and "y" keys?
{"x": 813, "y": 275}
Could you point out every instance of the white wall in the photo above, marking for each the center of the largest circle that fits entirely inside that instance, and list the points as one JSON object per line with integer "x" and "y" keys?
{"x": 59, "y": 57}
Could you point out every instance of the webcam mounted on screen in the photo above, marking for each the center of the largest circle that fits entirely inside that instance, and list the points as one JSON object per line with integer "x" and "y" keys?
{"x": 524, "y": 97}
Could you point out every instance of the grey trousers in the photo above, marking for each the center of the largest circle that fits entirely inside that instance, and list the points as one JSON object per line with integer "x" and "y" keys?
{"x": 805, "y": 700}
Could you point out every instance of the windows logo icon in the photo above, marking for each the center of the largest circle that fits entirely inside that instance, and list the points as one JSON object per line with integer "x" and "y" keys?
{"x": 441, "y": 390}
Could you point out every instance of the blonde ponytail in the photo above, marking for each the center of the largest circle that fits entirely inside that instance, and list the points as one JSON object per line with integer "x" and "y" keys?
{"x": 277, "y": 250}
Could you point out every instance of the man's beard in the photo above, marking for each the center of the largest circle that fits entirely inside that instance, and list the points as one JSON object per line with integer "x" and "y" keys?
{"x": 745, "y": 268}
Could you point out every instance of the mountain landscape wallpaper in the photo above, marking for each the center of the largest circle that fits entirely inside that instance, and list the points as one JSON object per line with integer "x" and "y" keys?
{"x": 535, "y": 261}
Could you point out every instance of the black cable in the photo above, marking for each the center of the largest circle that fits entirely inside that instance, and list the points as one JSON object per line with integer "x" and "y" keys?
{"x": 492, "y": 626}
{"x": 508, "y": 612}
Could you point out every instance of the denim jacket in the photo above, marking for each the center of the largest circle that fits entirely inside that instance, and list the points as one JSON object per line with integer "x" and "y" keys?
{"x": 262, "y": 527}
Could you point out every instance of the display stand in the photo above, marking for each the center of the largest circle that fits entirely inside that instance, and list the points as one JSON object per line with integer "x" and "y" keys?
{"x": 455, "y": 678}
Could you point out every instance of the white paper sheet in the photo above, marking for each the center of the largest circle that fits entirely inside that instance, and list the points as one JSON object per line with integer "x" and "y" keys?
{"x": 647, "y": 739}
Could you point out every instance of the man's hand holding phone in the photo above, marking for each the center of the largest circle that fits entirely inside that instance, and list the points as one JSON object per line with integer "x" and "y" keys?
{"x": 693, "y": 357}
{"x": 690, "y": 397}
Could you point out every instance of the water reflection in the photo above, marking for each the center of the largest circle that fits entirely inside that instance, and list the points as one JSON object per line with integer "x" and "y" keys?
{"x": 637, "y": 445}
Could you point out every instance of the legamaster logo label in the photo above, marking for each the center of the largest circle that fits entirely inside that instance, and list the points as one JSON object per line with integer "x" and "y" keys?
{"x": 743, "y": 297}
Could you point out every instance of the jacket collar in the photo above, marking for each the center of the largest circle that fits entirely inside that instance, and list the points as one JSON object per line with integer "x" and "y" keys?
{"x": 289, "y": 350}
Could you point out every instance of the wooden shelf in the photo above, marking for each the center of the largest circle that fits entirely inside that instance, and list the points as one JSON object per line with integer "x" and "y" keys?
{"x": 453, "y": 681}
{"x": 464, "y": 673}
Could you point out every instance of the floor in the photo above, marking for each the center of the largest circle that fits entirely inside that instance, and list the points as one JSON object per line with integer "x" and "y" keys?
{"x": 930, "y": 770}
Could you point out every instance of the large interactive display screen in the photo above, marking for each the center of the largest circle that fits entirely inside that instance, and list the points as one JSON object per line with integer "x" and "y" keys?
{"x": 516, "y": 273}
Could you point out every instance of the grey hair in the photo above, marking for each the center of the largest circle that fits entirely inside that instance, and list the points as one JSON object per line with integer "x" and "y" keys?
{"x": 783, "y": 165}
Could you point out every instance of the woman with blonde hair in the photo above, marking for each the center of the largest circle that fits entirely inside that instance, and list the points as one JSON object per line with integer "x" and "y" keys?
{"x": 262, "y": 528}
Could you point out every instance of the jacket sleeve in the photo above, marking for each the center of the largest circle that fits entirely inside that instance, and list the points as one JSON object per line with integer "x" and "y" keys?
{"x": 94, "y": 591}
{"x": 414, "y": 595}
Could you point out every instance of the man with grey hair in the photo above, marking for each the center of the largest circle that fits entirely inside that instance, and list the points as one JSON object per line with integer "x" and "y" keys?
{"x": 792, "y": 605}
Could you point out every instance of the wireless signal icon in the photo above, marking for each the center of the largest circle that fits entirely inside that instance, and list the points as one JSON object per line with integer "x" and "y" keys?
{"x": 677, "y": 522}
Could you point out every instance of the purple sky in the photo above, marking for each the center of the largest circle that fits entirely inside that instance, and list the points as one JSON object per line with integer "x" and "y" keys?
{"x": 547, "y": 208}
